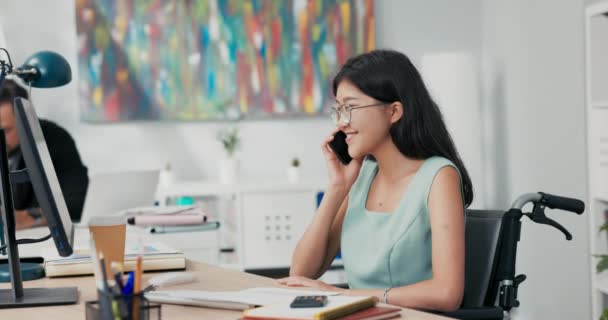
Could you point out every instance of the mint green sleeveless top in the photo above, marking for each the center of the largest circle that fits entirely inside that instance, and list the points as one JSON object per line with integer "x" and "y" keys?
{"x": 382, "y": 250}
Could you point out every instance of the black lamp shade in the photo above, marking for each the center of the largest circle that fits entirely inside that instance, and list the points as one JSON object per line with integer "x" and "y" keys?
{"x": 52, "y": 70}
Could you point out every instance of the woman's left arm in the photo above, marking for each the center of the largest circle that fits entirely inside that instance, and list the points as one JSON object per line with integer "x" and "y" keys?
{"x": 444, "y": 291}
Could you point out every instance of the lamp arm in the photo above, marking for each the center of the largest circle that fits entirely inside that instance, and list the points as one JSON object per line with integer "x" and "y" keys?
{"x": 27, "y": 73}
{"x": 8, "y": 56}
{"x": 24, "y": 71}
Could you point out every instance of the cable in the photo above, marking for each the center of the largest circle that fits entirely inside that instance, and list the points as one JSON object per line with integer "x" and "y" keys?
{"x": 29, "y": 241}
{"x": 10, "y": 62}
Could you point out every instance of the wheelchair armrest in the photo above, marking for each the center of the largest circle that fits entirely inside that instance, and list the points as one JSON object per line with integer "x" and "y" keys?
{"x": 481, "y": 313}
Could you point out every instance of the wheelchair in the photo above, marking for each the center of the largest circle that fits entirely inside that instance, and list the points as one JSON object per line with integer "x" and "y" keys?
{"x": 491, "y": 238}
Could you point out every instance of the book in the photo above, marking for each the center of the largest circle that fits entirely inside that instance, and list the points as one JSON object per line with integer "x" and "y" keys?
{"x": 233, "y": 300}
{"x": 374, "y": 313}
{"x": 157, "y": 256}
{"x": 337, "y": 307}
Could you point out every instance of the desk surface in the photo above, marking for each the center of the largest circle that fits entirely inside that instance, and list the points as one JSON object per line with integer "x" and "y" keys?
{"x": 208, "y": 278}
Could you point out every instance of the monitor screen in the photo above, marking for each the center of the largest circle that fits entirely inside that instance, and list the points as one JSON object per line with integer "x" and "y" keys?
{"x": 42, "y": 176}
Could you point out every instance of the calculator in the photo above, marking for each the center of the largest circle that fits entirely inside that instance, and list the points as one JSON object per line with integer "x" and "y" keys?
{"x": 309, "y": 302}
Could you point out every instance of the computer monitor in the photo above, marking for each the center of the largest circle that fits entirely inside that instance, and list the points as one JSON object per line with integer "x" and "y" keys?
{"x": 41, "y": 173}
{"x": 42, "y": 176}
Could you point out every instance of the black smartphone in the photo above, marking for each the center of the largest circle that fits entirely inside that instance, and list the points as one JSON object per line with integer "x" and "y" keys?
{"x": 340, "y": 147}
{"x": 309, "y": 302}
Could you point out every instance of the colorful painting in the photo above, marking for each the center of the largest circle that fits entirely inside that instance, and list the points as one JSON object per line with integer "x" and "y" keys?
{"x": 214, "y": 60}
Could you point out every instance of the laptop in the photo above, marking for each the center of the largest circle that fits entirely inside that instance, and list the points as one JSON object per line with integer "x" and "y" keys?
{"x": 111, "y": 193}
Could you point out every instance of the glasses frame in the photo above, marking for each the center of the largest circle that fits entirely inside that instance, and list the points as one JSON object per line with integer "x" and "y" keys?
{"x": 337, "y": 112}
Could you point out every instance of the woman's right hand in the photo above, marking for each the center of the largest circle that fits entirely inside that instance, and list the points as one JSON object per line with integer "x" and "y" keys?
{"x": 341, "y": 176}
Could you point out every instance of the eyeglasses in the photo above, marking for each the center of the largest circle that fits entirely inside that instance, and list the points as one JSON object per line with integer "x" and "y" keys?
{"x": 343, "y": 113}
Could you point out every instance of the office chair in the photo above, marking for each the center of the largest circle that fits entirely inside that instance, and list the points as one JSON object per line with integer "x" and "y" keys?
{"x": 490, "y": 249}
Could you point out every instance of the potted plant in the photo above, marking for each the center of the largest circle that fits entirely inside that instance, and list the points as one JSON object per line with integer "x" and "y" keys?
{"x": 229, "y": 165}
{"x": 293, "y": 172}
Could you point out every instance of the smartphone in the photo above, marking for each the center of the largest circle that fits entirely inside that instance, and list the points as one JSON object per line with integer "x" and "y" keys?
{"x": 340, "y": 147}
{"x": 309, "y": 302}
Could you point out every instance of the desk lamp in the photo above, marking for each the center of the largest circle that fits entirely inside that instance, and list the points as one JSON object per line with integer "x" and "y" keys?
{"x": 44, "y": 69}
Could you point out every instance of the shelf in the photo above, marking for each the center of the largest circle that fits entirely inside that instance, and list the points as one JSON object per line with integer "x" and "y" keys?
{"x": 213, "y": 188}
{"x": 601, "y": 283}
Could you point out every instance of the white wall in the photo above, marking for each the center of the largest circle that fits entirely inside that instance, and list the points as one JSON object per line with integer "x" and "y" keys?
{"x": 268, "y": 146}
{"x": 535, "y": 75}
{"x": 439, "y": 36}
{"x": 192, "y": 148}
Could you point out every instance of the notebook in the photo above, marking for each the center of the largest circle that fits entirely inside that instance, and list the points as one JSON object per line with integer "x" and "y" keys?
{"x": 375, "y": 313}
{"x": 157, "y": 256}
{"x": 337, "y": 306}
{"x": 234, "y": 300}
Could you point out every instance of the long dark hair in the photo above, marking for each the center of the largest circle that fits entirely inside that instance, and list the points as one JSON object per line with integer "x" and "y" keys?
{"x": 389, "y": 76}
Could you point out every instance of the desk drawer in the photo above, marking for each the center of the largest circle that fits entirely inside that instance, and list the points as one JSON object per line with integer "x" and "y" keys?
{"x": 272, "y": 224}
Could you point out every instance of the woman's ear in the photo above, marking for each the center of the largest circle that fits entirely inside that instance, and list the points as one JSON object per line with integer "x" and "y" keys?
{"x": 396, "y": 112}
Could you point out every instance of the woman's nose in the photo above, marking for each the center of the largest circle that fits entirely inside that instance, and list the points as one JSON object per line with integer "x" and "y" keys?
{"x": 341, "y": 125}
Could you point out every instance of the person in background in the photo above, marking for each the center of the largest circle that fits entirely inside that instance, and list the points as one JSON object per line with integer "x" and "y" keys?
{"x": 70, "y": 171}
{"x": 396, "y": 211}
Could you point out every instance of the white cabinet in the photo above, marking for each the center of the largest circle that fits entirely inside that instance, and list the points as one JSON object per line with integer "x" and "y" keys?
{"x": 272, "y": 225}
{"x": 261, "y": 219}
{"x": 597, "y": 142}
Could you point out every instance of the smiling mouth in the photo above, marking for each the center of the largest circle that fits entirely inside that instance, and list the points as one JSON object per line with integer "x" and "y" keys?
{"x": 349, "y": 136}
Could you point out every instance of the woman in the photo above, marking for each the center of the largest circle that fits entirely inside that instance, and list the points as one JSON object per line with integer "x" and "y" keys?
{"x": 397, "y": 210}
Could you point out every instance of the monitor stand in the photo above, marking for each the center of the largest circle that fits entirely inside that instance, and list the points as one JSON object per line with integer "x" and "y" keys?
{"x": 34, "y": 297}
{"x": 17, "y": 297}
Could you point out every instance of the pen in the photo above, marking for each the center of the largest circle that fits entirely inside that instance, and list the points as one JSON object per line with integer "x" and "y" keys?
{"x": 137, "y": 286}
{"x": 128, "y": 288}
{"x": 107, "y": 294}
{"x": 168, "y": 220}
{"x": 115, "y": 310}
{"x": 127, "y": 291}
{"x": 149, "y": 288}
{"x": 119, "y": 304}
{"x": 117, "y": 272}
{"x": 104, "y": 274}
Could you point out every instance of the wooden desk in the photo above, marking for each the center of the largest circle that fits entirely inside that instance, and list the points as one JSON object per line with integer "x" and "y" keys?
{"x": 208, "y": 278}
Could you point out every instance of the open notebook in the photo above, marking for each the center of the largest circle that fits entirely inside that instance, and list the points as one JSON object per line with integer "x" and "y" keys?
{"x": 235, "y": 300}
{"x": 337, "y": 306}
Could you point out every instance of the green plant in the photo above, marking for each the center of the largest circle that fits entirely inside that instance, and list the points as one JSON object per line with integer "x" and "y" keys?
{"x": 602, "y": 265}
{"x": 295, "y": 162}
{"x": 230, "y": 140}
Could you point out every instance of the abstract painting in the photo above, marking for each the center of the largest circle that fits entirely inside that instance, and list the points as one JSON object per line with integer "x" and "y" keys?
{"x": 188, "y": 60}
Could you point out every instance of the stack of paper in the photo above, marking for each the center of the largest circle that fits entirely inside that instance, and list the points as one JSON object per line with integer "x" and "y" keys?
{"x": 157, "y": 256}
{"x": 165, "y": 210}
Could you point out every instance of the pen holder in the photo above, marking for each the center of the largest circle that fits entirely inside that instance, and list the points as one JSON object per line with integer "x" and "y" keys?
{"x": 114, "y": 306}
